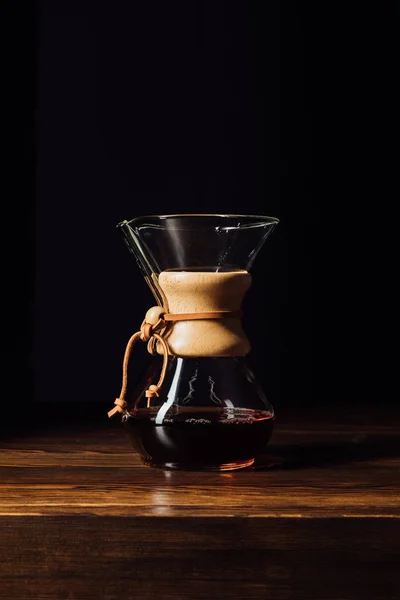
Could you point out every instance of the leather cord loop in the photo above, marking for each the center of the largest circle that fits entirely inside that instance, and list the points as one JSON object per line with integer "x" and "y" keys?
{"x": 149, "y": 331}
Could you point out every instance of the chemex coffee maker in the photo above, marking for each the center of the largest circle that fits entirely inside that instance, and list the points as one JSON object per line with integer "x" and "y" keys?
{"x": 199, "y": 406}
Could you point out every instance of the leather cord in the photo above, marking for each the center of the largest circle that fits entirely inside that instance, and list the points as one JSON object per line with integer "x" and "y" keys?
{"x": 148, "y": 331}
{"x": 218, "y": 314}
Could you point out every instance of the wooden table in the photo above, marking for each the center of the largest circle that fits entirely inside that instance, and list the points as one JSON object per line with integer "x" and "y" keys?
{"x": 82, "y": 519}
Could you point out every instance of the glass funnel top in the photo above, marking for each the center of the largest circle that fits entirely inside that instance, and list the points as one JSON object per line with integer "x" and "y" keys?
{"x": 196, "y": 242}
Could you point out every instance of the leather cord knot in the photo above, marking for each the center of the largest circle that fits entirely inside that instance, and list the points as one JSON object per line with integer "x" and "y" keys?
{"x": 153, "y": 327}
{"x": 120, "y": 407}
{"x": 152, "y": 391}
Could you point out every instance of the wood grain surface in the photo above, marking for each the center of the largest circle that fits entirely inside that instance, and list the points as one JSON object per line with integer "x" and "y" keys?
{"x": 318, "y": 516}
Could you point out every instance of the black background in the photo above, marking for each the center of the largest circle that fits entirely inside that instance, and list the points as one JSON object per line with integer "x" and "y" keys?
{"x": 127, "y": 108}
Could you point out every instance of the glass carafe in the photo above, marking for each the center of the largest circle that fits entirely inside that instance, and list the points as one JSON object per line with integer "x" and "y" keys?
{"x": 209, "y": 413}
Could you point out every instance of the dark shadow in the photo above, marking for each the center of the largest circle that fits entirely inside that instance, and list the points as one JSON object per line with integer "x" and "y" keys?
{"x": 43, "y": 417}
{"x": 320, "y": 455}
